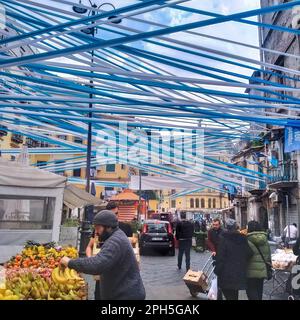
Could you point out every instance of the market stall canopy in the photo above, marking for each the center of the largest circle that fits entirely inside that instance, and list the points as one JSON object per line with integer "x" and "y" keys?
{"x": 75, "y": 197}
{"x": 127, "y": 194}
{"x": 14, "y": 174}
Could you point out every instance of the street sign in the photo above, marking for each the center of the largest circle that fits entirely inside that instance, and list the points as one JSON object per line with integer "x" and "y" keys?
{"x": 292, "y": 139}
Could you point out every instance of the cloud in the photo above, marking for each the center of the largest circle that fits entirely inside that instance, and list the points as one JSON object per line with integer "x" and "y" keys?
{"x": 230, "y": 30}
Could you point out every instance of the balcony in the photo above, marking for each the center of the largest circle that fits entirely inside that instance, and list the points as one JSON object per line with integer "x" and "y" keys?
{"x": 283, "y": 176}
{"x": 258, "y": 188}
{"x": 32, "y": 143}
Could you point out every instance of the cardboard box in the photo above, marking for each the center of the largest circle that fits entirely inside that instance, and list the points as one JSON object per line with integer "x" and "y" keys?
{"x": 198, "y": 278}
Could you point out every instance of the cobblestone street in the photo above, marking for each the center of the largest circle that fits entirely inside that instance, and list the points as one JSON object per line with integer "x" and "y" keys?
{"x": 163, "y": 281}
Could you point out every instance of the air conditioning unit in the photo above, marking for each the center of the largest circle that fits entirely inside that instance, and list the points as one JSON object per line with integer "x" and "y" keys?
{"x": 296, "y": 17}
{"x": 274, "y": 197}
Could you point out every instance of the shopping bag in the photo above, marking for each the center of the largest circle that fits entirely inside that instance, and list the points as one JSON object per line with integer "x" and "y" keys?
{"x": 213, "y": 290}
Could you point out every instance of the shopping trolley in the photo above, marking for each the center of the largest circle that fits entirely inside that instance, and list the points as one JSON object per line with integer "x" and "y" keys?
{"x": 200, "y": 281}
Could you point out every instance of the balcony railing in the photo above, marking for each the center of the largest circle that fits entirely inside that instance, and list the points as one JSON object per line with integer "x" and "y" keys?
{"x": 31, "y": 143}
{"x": 285, "y": 172}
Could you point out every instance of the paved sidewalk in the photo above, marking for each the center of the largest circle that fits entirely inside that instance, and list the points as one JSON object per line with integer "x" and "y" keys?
{"x": 163, "y": 281}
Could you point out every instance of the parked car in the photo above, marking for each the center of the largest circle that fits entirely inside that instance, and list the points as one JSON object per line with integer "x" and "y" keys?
{"x": 157, "y": 234}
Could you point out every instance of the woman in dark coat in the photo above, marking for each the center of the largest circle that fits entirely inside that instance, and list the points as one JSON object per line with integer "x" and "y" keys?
{"x": 296, "y": 248}
{"x": 232, "y": 261}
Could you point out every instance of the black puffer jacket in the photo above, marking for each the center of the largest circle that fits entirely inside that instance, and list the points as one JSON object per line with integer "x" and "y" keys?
{"x": 117, "y": 265}
{"x": 232, "y": 261}
{"x": 184, "y": 230}
{"x": 296, "y": 249}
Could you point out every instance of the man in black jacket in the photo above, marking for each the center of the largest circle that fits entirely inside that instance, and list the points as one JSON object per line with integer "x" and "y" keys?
{"x": 115, "y": 263}
{"x": 214, "y": 235}
{"x": 184, "y": 234}
{"x": 233, "y": 256}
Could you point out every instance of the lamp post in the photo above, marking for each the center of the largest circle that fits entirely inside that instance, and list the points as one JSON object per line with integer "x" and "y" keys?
{"x": 80, "y": 9}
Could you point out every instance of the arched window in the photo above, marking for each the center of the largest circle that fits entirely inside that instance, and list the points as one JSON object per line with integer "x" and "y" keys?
{"x": 214, "y": 203}
{"x": 191, "y": 203}
{"x": 197, "y": 203}
{"x": 202, "y": 203}
{"x": 209, "y": 203}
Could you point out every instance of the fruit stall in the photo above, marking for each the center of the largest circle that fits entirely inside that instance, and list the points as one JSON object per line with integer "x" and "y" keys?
{"x": 35, "y": 274}
{"x": 31, "y": 203}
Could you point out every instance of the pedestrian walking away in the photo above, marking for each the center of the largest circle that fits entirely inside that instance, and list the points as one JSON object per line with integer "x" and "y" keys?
{"x": 117, "y": 283}
{"x": 232, "y": 261}
{"x": 257, "y": 270}
{"x": 184, "y": 234}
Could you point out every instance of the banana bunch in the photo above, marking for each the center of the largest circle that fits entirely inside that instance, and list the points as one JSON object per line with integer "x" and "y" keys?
{"x": 70, "y": 252}
{"x": 8, "y": 295}
{"x": 66, "y": 277}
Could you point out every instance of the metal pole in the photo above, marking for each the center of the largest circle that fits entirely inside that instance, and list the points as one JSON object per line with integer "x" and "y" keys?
{"x": 140, "y": 195}
{"x": 90, "y": 115}
{"x": 288, "y": 217}
{"x": 85, "y": 225}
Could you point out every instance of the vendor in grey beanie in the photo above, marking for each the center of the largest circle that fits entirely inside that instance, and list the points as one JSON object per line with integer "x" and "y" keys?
{"x": 115, "y": 263}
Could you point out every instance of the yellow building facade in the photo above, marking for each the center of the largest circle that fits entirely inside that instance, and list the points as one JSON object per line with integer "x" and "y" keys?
{"x": 206, "y": 200}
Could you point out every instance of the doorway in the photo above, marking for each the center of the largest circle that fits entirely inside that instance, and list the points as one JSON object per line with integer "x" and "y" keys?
{"x": 263, "y": 218}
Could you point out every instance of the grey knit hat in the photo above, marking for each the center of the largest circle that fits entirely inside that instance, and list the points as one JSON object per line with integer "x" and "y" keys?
{"x": 106, "y": 218}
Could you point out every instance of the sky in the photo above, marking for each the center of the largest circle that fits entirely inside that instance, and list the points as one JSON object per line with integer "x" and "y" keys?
{"x": 168, "y": 16}
{"x": 230, "y": 30}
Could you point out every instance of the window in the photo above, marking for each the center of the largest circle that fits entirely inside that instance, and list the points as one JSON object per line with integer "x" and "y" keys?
{"x": 77, "y": 172}
{"x": 202, "y": 203}
{"x": 209, "y": 203}
{"x": 214, "y": 203}
{"x": 41, "y": 163}
{"x": 157, "y": 228}
{"x": 59, "y": 165}
{"x": 197, "y": 203}
{"x": 78, "y": 140}
{"x": 26, "y": 213}
{"x": 123, "y": 167}
{"x": 191, "y": 203}
{"x": 110, "y": 168}
{"x": 173, "y": 203}
{"x": 62, "y": 137}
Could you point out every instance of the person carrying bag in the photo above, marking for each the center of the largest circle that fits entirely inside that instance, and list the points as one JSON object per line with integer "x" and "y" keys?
{"x": 259, "y": 266}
